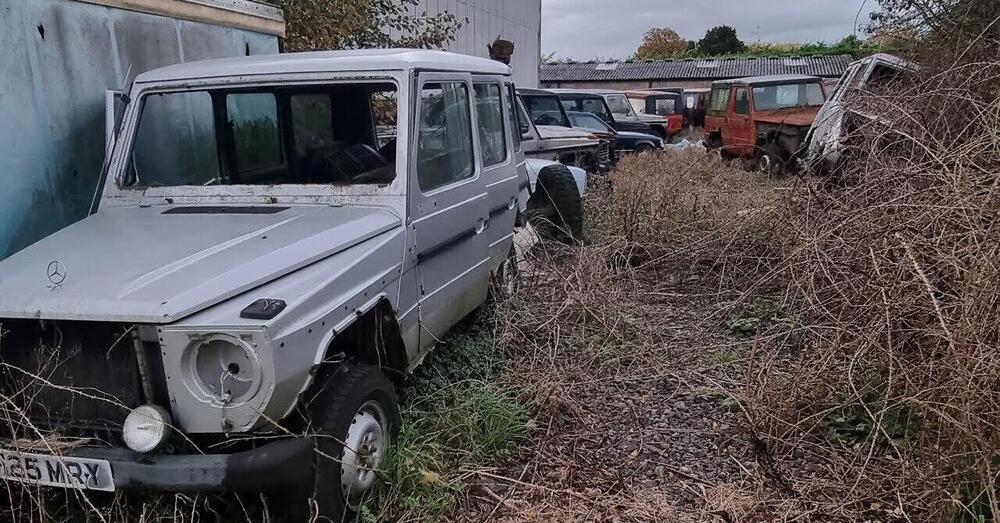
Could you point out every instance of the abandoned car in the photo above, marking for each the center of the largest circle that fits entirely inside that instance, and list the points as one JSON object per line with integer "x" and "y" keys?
{"x": 665, "y": 104}
{"x": 831, "y": 122}
{"x": 624, "y": 141}
{"x": 547, "y": 133}
{"x": 279, "y": 238}
{"x": 613, "y": 108}
{"x": 764, "y": 119}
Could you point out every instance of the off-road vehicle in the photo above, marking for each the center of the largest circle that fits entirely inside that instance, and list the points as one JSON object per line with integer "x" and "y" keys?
{"x": 832, "y": 121}
{"x": 278, "y": 240}
{"x": 547, "y": 134}
{"x": 763, "y": 119}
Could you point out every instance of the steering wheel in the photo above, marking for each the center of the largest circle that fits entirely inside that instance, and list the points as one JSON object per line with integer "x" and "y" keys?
{"x": 546, "y": 119}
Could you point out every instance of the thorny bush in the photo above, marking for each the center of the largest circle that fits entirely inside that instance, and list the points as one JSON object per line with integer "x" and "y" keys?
{"x": 888, "y": 372}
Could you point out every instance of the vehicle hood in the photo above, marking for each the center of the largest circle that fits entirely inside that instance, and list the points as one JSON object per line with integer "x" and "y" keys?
{"x": 556, "y": 131}
{"x": 651, "y": 118}
{"x": 795, "y": 116}
{"x": 629, "y": 135}
{"x": 160, "y": 264}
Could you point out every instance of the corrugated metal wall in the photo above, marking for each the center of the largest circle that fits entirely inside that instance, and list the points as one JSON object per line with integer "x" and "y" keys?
{"x": 519, "y": 21}
{"x": 57, "y": 58}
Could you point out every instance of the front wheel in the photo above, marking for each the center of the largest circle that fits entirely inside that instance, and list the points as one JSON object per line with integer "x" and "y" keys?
{"x": 355, "y": 418}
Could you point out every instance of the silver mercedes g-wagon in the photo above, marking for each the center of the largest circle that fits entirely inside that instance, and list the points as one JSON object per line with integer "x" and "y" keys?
{"x": 277, "y": 239}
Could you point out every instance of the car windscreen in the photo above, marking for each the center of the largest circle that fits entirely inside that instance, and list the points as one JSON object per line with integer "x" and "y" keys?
{"x": 340, "y": 134}
{"x": 667, "y": 105}
{"x": 588, "y": 121}
{"x": 771, "y": 97}
{"x": 545, "y": 110}
{"x": 587, "y": 104}
{"x": 619, "y": 105}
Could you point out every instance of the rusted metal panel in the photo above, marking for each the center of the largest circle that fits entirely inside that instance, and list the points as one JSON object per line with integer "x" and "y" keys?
{"x": 57, "y": 59}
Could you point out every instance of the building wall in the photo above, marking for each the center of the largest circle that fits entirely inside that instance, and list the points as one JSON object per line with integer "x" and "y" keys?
{"x": 57, "y": 58}
{"x": 519, "y": 21}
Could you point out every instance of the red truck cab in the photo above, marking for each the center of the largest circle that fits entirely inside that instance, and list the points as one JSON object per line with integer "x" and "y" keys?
{"x": 669, "y": 105}
{"x": 765, "y": 119}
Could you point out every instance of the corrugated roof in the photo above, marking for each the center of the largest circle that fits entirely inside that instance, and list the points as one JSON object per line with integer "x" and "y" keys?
{"x": 831, "y": 66}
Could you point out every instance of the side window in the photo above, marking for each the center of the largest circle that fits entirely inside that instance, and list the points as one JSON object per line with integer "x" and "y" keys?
{"x": 444, "y": 142}
{"x": 742, "y": 105}
{"x": 253, "y": 118}
{"x": 489, "y": 110}
{"x": 512, "y": 117}
{"x": 639, "y": 104}
{"x": 720, "y": 100}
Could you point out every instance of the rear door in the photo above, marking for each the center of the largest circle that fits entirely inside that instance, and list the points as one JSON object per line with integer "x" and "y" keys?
{"x": 449, "y": 207}
{"x": 499, "y": 169}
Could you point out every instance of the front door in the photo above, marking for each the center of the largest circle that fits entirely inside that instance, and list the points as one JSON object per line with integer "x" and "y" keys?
{"x": 741, "y": 129}
{"x": 448, "y": 205}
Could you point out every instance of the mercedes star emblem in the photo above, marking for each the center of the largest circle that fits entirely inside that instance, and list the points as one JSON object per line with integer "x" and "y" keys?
{"x": 56, "y": 273}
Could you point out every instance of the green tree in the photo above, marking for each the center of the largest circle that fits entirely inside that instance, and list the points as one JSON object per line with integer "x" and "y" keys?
{"x": 352, "y": 24}
{"x": 721, "y": 40}
{"x": 661, "y": 42}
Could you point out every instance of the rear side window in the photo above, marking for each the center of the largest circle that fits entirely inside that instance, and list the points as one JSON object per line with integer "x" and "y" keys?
{"x": 720, "y": 99}
{"x": 444, "y": 142}
{"x": 489, "y": 110}
{"x": 742, "y": 103}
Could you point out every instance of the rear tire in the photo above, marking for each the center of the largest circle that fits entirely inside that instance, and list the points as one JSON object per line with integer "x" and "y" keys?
{"x": 556, "y": 208}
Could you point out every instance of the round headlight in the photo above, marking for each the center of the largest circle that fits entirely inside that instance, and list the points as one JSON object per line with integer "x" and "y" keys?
{"x": 146, "y": 428}
{"x": 226, "y": 369}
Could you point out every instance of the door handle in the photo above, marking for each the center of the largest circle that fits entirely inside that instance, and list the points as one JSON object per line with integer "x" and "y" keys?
{"x": 481, "y": 226}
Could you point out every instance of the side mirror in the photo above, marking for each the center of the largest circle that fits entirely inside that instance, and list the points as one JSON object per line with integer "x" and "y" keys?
{"x": 525, "y": 129}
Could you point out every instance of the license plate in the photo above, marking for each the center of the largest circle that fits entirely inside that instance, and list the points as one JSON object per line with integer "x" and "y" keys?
{"x": 53, "y": 471}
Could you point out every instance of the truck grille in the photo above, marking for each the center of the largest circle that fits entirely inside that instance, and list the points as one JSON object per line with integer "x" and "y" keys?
{"x": 604, "y": 152}
{"x": 67, "y": 376}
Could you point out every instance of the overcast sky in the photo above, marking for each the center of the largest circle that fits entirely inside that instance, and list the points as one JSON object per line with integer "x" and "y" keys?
{"x": 585, "y": 29}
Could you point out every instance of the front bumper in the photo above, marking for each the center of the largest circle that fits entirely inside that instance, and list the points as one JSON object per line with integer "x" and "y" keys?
{"x": 281, "y": 465}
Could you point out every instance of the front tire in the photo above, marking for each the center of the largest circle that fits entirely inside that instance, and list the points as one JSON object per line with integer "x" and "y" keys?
{"x": 355, "y": 418}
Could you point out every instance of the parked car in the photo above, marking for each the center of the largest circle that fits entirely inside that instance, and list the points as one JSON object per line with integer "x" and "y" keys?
{"x": 258, "y": 272}
{"x": 547, "y": 134}
{"x": 610, "y": 110}
{"x": 593, "y": 124}
{"x": 826, "y": 134}
{"x": 669, "y": 105}
{"x": 764, "y": 119}
{"x": 626, "y": 141}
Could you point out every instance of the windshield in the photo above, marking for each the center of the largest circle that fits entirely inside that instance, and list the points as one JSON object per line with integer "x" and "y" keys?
{"x": 588, "y": 121}
{"x": 545, "y": 110}
{"x": 785, "y": 96}
{"x": 588, "y": 104}
{"x": 619, "y": 105}
{"x": 340, "y": 134}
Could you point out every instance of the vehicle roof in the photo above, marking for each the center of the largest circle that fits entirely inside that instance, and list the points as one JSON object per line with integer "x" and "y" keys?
{"x": 646, "y": 92}
{"x": 889, "y": 59}
{"x": 585, "y": 92}
{"x": 363, "y": 60}
{"x": 527, "y": 91}
{"x": 778, "y": 79}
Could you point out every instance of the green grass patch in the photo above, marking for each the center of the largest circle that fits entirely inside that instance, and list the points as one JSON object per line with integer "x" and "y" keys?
{"x": 455, "y": 416}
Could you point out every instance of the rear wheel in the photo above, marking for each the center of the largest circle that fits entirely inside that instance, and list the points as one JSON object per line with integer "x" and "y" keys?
{"x": 556, "y": 208}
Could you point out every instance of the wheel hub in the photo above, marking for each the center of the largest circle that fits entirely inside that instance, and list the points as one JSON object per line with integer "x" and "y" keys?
{"x": 364, "y": 448}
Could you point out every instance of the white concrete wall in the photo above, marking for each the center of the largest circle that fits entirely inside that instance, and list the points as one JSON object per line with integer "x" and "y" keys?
{"x": 519, "y": 21}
